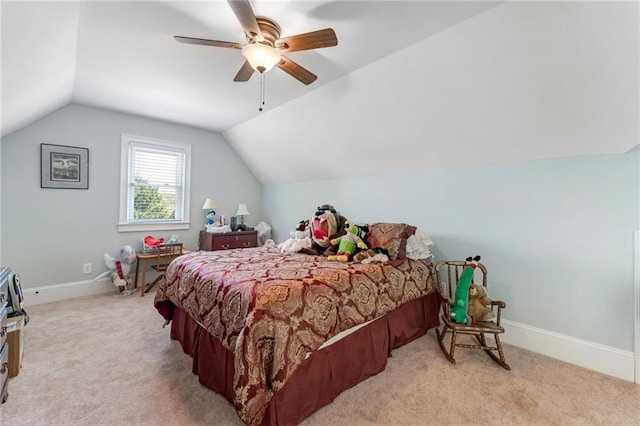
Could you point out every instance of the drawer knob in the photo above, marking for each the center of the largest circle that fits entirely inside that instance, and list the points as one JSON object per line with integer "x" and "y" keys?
{"x": 225, "y": 246}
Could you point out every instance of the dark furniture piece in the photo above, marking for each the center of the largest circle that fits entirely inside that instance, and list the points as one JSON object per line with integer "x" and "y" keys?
{"x": 447, "y": 275}
{"x": 4, "y": 345}
{"x": 211, "y": 241}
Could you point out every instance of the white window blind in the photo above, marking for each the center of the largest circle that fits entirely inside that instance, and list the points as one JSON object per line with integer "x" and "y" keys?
{"x": 155, "y": 188}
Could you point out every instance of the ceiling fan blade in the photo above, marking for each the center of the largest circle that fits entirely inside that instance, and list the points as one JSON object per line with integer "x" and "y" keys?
{"x": 245, "y": 73}
{"x": 205, "y": 42}
{"x": 306, "y": 41}
{"x": 302, "y": 74}
{"x": 244, "y": 13}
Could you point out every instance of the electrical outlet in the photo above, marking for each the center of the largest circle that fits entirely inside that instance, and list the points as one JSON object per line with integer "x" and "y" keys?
{"x": 86, "y": 268}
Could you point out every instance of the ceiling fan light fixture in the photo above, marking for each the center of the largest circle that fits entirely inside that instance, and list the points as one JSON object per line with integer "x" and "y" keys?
{"x": 261, "y": 57}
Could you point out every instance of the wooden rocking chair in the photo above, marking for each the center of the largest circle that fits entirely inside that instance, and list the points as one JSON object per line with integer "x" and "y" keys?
{"x": 451, "y": 271}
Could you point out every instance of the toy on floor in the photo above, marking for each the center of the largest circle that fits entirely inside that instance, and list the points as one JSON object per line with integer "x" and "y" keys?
{"x": 479, "y": 303}
{"x": 347, "y": 245}
{"x": 460, "y": 305}
{"x": 120, "y": 268}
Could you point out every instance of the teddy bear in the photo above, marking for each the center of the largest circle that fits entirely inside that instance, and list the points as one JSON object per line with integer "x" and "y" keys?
{"x": 479, "y": 304}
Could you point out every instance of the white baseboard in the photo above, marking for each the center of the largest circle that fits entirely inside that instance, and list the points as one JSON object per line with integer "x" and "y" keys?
{"x": 54, "y": 293}
{"x": 604, "y": 359}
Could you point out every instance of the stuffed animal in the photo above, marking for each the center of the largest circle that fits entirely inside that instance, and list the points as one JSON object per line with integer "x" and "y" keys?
{"x": 347, "y": 245}
{"x": 326, "y": 225}
{"x": 120, "y": 268}
{"x": 479, "y": 304}
{"x": 461, "y": 302}
{"x": 371, "y": 255}
{"x": 300, "y": 239}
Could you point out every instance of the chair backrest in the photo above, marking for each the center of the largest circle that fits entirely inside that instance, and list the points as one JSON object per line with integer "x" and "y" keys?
{"x": 448, "y": 273}
{"x": 165, "y": 253}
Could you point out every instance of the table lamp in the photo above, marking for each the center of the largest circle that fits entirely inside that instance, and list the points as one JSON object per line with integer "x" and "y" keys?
{"x": 210, "y": 205}
{"x": 242, "y": 212}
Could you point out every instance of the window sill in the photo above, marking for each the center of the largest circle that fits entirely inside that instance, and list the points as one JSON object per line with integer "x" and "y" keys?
{"x": 163, "y": 226}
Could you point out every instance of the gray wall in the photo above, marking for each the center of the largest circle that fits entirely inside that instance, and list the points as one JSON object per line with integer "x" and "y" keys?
{"x": 556, "y": 235}
{"x": 47, "y": 234}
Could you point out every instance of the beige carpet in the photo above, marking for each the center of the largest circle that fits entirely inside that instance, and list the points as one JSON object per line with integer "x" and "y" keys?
{"x": 107, "y": 361}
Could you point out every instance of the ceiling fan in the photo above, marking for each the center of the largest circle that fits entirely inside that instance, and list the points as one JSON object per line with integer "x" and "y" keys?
{"x": 266, "y": 48}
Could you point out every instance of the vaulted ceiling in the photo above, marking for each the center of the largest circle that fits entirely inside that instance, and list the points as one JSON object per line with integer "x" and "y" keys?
{"x": 121, "y": 55}
{"x": 410, "y": 84}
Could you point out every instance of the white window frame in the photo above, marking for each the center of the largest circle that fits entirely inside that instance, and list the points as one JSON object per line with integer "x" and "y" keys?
{"x": 127, "y": 141}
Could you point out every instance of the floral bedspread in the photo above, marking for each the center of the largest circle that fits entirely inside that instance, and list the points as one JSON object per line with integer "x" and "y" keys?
{"x": 271, "y": 308}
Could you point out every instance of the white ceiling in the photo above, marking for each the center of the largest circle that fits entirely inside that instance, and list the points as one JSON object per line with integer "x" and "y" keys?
{"x": 411, "y": 85}
{"x": 122, "y": 55}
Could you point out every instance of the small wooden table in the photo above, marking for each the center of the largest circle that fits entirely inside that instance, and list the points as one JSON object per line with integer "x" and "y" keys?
{"x": 141, "y": 262}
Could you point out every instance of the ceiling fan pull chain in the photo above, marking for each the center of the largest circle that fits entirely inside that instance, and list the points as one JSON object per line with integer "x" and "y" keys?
{"x": 261, "y": 91}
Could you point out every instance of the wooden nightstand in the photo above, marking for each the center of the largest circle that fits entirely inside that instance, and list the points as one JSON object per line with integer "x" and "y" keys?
{"x": 227, "y": 240}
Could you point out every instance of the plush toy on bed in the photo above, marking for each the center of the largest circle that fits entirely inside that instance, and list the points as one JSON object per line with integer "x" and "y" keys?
{"x": 461, "y": 302}
{"x": 347, "y": 245}
{"x": 119, "y": 269}
{"x": 479, "y": 303}
{"x": 324, "y": 226}
{"x": 300, "y": 239}
{"x": 371, "y": 255}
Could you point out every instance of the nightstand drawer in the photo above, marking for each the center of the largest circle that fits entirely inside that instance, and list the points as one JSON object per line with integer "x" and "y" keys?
{"x": 228, "y": 240}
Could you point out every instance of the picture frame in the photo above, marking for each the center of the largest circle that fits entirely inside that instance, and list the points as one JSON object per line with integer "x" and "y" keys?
{"x": 65, "y": 167}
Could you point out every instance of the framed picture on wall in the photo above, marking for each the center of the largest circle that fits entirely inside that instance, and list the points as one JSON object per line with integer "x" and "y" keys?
{"x": 64, "y": 167}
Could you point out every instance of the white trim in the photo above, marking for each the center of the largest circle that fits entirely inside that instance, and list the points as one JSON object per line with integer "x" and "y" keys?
{"x": 156, "y": 226}
{"x": 594, "y": 356}
{"x": 636, "y": 292}
{"x": 604, "y": 359}
{"x": 126, "y": 141}
{"x": 54, "y": 293}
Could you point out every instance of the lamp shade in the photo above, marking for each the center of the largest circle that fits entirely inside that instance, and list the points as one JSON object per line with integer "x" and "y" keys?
{"x": 242, "y": 210}
{"x": 261, "y": 57}
{"x": 210, "y": 204}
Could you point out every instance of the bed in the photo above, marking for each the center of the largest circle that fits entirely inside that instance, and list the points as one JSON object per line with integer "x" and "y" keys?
{"x": 282, "y": 334}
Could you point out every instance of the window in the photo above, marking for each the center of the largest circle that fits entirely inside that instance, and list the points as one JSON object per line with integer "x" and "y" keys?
{"x": 154, "y": 184}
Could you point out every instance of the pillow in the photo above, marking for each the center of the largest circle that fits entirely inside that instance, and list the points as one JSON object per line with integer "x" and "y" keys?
{"x": 391, "y": 237}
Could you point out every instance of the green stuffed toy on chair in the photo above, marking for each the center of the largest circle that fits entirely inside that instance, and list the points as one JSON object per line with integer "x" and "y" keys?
{"x": 460, "y": 306}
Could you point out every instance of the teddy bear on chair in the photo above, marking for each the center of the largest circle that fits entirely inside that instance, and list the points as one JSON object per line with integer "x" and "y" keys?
{"x": 479, "y": 304}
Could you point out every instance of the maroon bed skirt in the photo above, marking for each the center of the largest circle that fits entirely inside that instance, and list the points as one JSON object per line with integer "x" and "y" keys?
{"x": 322, "y": 376}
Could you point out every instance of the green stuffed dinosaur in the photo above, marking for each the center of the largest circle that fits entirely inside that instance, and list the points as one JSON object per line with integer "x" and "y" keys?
{"x": 347, "y": 245}
{"x": 461, "y": 303}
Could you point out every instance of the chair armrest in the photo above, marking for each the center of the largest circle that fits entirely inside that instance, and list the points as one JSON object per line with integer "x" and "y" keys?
{"x": 446, "y": 305}
{"x": 500, "y": 305}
